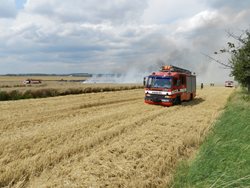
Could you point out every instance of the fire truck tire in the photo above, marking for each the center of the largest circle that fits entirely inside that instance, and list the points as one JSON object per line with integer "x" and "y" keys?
{"x": 177, "y": 100}
{"x": 191, "y": 97}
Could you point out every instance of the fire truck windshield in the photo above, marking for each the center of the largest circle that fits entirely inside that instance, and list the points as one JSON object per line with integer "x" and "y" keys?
{"x": 159, "y": 82}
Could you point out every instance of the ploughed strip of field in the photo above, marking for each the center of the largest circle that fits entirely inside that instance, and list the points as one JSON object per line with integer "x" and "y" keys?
{"x": 103, "y": 139}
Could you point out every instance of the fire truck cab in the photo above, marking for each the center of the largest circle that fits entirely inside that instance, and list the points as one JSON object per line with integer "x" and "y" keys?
{"x": 170, "y": 86}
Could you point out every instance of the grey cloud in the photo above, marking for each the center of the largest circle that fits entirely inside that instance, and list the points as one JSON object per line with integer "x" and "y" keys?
{"x": 233, "y": 4}
{"x": 87, "y": 35}
{"x": 7, "y": 9}
{"x": 90, "y": 11}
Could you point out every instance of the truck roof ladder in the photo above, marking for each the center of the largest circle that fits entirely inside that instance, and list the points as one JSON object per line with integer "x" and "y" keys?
{"x": 176, "y": 69}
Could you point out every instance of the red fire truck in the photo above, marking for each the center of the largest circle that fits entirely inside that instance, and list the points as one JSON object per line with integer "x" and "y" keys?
{"x": 170, "y": 86}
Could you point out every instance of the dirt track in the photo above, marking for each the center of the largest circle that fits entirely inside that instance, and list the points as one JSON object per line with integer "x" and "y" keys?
{"x": 104, "y": 139}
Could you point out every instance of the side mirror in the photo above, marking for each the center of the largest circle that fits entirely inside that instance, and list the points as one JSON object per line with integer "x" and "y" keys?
{"x": 144, "y": 81}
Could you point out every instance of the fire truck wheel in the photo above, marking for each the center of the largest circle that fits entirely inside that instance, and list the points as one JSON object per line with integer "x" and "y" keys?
{"x": 177, "y": 100}
{"x": 191, "y": 97}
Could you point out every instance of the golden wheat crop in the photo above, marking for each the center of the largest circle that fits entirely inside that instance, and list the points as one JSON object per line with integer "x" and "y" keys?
{"x": 101, "y": 139}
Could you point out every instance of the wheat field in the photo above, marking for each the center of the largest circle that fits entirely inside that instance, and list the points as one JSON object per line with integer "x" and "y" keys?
{"x": 101, "y": 139}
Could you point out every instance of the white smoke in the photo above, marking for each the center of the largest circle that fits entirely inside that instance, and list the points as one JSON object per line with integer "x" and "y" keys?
{"x": 131, "y": 77}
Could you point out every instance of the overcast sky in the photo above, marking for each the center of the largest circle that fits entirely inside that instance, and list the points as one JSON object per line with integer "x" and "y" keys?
{"x": 110, "y": 36}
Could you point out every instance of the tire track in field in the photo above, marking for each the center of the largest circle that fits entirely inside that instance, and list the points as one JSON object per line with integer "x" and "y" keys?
{"x": 29, "y": 119}
{"x": 65, "y": 153}
{"x": 70, "y": 129}
{"x": 66, "y": 118}
{"x": 144, "y": 156}
{"x": 107, "y": 137}
{"x": 57, "y": 104}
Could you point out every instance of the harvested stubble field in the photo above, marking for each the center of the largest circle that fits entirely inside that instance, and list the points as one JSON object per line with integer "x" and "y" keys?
{"x": 60, "y": 83}
{"x": 13, "y": 82}
{"x": 101, "y": 139}
{"x": 12, "y": 88}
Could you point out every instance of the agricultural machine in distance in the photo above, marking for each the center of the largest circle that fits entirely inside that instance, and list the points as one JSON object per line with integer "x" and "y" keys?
{"x": 170, "y": 86}
{"x": 229, "y": 84}
{"x": 32, "y": 81}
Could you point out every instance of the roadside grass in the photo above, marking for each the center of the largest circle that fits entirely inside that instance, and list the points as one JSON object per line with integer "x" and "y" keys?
{"x": 224, "y": 158}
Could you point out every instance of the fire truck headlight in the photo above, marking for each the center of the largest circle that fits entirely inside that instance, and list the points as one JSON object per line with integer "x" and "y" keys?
{"x": 167, "y": 96}
{"x": 148, "y": 95}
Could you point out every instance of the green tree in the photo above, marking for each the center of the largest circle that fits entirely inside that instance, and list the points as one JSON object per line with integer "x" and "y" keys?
{"x": 240, "y": 61}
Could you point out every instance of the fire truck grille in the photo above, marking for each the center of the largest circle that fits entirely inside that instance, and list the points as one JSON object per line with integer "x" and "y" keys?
{"x": 155, "y": 98}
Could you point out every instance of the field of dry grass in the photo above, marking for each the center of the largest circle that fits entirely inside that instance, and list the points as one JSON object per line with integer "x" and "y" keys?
{"x": 20, "y": 79}
{"x": 101, "y": 139}
{"x": 8, "y": 83}
{"x": 13, "y": 88}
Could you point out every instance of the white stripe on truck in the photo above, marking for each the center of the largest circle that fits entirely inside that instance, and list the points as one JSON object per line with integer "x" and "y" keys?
{"x": 165, "y": 92}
